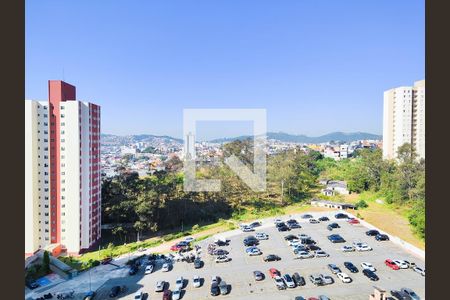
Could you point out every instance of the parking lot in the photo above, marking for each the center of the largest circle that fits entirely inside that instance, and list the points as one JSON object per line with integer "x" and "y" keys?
{"x": 238, "y": 273}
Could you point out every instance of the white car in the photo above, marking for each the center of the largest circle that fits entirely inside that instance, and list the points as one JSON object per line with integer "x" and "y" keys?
{"x": 222, "y": 259}
{"x": 344, "y": 277}
{"x": 176, "y": 294}
{"x": 368, "y": 266}
{"x": 160, "y": 284}
{"x": 304, "y": 255}
{"x": 165, "y": 267}
{"x": 262, "y": 236}
{"x": 401, "y": 264}
{"x": 294, "y": 242}
{"x": 363, "y": 247}
{"x": 313, "y": 221}
{"x": 148, "y": 269}
{"x": 138, "y": 295}
{"x": 321, "y": 253}
{"x": 179, "y": 283}
{"x": 303, "y": 236}
{"x": 289, "y": 281}
{"x": 348, "y": 248}
{"x": 196, "y": 281}
{"x": 277, "y": 221}
{"x": 419, "y": 270}
{"x": 279, "y": 282}
{"x": 189, "y": 239}
{"x": 247, "y": 229}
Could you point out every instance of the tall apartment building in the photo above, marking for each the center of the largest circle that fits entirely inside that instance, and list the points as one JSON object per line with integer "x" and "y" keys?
{"x": 62, "y": 171}
{"x": 404, "y": 119}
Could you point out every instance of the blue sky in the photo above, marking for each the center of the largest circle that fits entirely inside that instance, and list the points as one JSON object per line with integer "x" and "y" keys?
{"x": 317, "y": 66}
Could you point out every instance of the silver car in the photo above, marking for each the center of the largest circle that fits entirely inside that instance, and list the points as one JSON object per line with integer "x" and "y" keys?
{"x": 160, "y": 286}
{"x": 176, "y": 294}
{"x": 179, "y": 283}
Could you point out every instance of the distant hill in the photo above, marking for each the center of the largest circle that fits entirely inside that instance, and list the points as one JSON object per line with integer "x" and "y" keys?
{"x": 334, "y": 136}
{"x": 280, "y": 136}
{"x": 127, "y": 139}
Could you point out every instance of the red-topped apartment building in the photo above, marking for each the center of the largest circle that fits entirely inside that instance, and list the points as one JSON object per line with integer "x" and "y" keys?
{"x": 62, "y": 171}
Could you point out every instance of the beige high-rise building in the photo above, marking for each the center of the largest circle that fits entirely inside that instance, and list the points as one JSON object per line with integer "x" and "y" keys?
{"x": 404, "y": 119}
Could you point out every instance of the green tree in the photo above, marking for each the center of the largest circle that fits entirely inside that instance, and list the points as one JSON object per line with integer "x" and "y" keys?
{"x": 46, "y": 262}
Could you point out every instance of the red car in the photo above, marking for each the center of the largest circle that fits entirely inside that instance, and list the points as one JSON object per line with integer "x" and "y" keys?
{"x": 274, "y": 272}
{"x": 175, "y": 247}
{"x": 353, "y": 221}
{"x": 391, "y": 264}
{"x": 313, "y": 298}
{"x": 167, "y": 295}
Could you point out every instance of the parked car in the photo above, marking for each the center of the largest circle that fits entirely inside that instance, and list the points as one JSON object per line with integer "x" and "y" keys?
{"x": 214, "y": 291}
{"x": 324, "y": 219}
{"x": 411, "y": 265}
{"x": 220, "y": 252}
{"x": 291, "y": 237}
{"x": 401, "y": 264}
{"x": 344, "y": 277}
{"x": 139, "y": 295}
{"x": 370, "y": 274}
{"x": 307, "y": 216}
{"x": 363, "y": 247}
{"x": 299, "y": 280}
{"x": 347, "y": 248}
{"x": 215, "y": 279}
{"x": 262, "y": 236}
{"x": 326, "y": 279}
{"x": 222, "y": 259}
{"x": 391, "y": 264}
{"x": 250, "y": 241}
{"x": 336, "y": 238}
{"x": 316, "y": 279}
{"x": 313, "y": 247}
{"x": 88, "y": 296}
{"x": 272, "y": 257}
{"x": 165, "y": 267}
{"x": 289, "y": 281}
{"x": 368, "y": 266}
{"x": 255, "y": 224}
{"x": 274, "y": 272}
{"x": 334, "y": 269}
{"x": 196, "y": 281}
{"x": 372, "y": 232}
{"x": 305, "y": 254}
{"x": 258, "y": 275}
{"x": 148, "y": 269}
{"x": 247, "y": 228}
{"x": 382, "y": 237}
{"x": 332, "y": 226}
{"x": 341, "y": 216}
{"x": 279, "y": 282}
{"x": 160, "y": 284}
{"x": 313, "y": 221}
{"x": 419, "y": 270}
{"x": 223, "y": 287}
{"x": 294, "y": 226}
{"x": 410, "y": 293}
{"x": 303, "y": 236}
{"x": 400, "y": 295}
{"x": 189, "y": 239}
{"x": 323, "y": 297}
{"x": 179, "y": 283}
{"x": 32, "y": 284}
{"x": 283, "y": 227}
{"x": 252, "y": 251}
{"x": 198, "y": 263}
{"x": 321, "y": 253}
{"x": 353, "y": 221}
{"x": 351, "y": 267}
{"x": 176, "y": 294}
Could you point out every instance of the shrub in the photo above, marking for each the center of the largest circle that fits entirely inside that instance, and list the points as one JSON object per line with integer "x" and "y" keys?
{"x": 361, "y": 204}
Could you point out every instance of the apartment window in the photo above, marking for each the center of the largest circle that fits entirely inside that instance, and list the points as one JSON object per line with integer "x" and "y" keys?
{"x": 62, "y": 123}
{"x": 62, "y": 107}
{"x": 62, "y": 115}
{"x": 45, "y": 115}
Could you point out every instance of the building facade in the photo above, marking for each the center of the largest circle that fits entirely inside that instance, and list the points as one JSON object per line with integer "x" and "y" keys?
{"x": 62, "y": 171}
{"x": 404, "y": 119}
